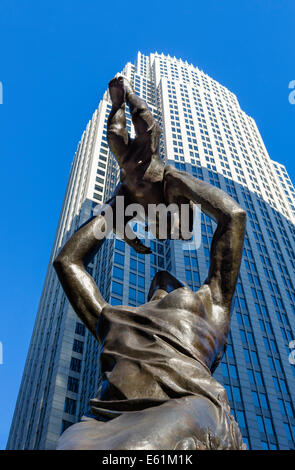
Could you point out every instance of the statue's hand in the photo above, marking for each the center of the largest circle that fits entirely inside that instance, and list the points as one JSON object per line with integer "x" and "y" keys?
{"x": 138, "y": 246}
{"x": 117, "y": 91}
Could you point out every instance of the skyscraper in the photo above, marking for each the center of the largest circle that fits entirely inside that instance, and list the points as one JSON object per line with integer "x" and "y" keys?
{"x": 204, "y": 132}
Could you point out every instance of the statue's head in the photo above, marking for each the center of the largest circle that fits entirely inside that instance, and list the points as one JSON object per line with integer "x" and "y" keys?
{"x": 163, "y": 283}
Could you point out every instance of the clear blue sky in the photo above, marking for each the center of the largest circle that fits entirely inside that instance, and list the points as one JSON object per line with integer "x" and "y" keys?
{"x": 55, "y": 62}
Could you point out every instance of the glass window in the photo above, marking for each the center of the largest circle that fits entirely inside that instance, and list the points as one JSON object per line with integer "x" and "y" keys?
{"x": 119, "y": 245}
{"x": 187, "y": 260}
{"x": 269, "y": 328}
{"x": 273, "y": 345}
{"x": 258, "y": 309}
{"x": 133, "y": 264}
{"x": 243, "y": 336}
{"x": 251, "y": 376}
{"x": 254, "y": 358}
{"x": 239, "y": 318}
{"x": 264, "y": 311}
{"x": 140, "y": 267}
{"x": 224, "y": 369}
{"x": 194, "y": 262}
{"x": 70, "y": 406}
{"x": 133, "y": 279}
{"x": 243, "y": 304}
{"x": 247, "y": 355}
{"x": 289, "y": 409}
{"x": 263, "y": 401}
{"x": 119, "y": 259}
{"x": 233, "y": 371}
{"x": 241, "y": 419}
{"x": 266, "y": 343}
{"x": 276, "y": 384}
{"x": 260, "y": 424}
{"x": 115, "y": 301}
{"x": 118, "y": 273}
{"x": 160, "y": 263}
{"x": 140, "y": 281}
{"x": 250, "y": 338}
{"x": 117, "y": 288}
{"x": 196, "y": 277}
{"x": 75, "y": 364}
{"x": 80, "y": 329}
{"x": 259, "y": 378}
{"x": 262, "y": 325}
{"x": 246, "y": 320}
{"x": 140, "y": 297}
{"x": 271, "y": 363}
{"x": 282, "y": 407}
{"x": 132, "y": 293}
{"x": 73, "y": 384}
{"x": 269, "y": 426}
{"x": 283, "y": 386}
{"x": 78, "y": 346}
{"x": 230, "y": 351}
{"x": 188, "y": 275}
{"x": 255, "y": 399}
{"x": 237, "y": 394}
{"x": 288, "y": 431}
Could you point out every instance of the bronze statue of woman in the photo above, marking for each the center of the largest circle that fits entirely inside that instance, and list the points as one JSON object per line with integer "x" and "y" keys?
{"x": 157, "y": 359}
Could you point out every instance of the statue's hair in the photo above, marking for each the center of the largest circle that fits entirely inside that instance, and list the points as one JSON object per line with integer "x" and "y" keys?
{"x": 165, "y": 281}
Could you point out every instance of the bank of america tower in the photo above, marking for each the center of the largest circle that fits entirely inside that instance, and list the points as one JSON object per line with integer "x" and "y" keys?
{"x": 204, "y": 132}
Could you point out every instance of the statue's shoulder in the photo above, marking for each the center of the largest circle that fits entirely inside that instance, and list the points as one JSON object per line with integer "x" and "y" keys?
{"x": 204, "y": 295}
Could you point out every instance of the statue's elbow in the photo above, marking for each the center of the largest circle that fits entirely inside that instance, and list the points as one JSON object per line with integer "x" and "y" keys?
{"x": 239, "y": 216}
{"x": 59, "y": 264}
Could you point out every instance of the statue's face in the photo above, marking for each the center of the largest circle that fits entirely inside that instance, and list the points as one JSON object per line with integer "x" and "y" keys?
{"x": 163, "y": 283}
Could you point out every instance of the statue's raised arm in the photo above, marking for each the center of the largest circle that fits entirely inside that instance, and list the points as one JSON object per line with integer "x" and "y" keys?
{"x": 78, "y": 285}
{"x": 228, "y": 240}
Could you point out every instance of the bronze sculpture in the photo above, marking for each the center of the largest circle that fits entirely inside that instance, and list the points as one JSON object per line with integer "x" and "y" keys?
{"x": 157, "y": 359}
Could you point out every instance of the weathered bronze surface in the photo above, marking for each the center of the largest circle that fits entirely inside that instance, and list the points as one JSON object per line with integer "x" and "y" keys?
{"x": 157, "y": 359}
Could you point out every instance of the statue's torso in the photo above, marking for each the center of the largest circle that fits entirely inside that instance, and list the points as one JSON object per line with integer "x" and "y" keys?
{"x": 158, "y": 350}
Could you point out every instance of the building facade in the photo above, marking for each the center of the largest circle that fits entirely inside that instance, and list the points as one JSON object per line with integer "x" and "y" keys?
{"x": 204, "y": 132}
